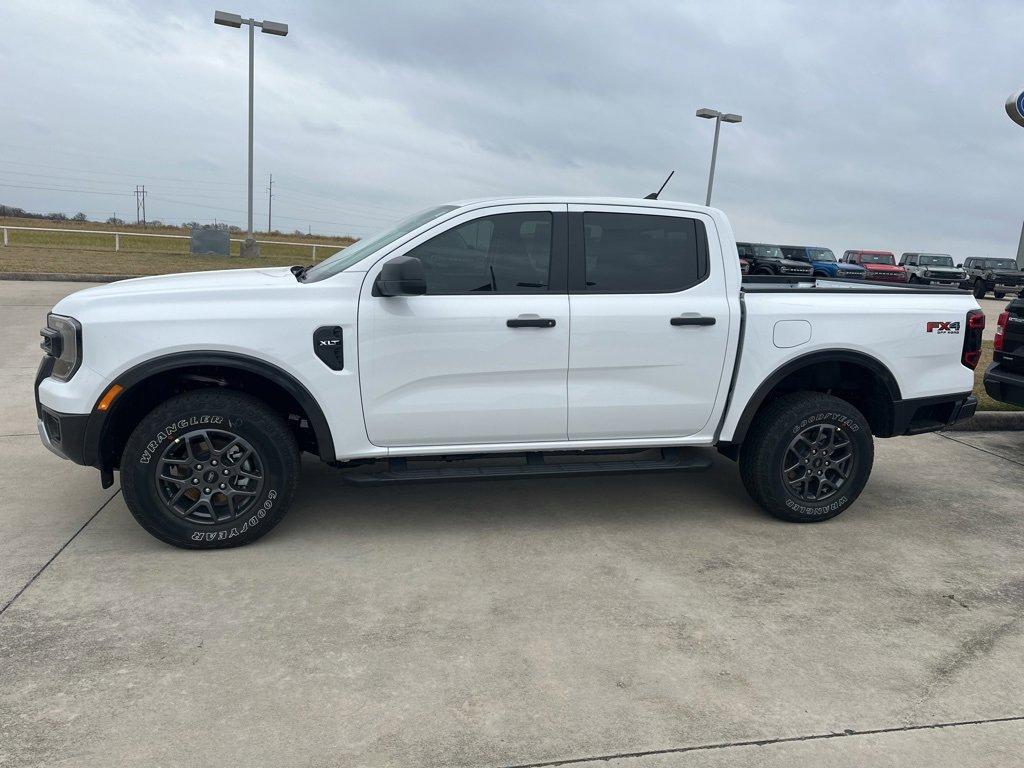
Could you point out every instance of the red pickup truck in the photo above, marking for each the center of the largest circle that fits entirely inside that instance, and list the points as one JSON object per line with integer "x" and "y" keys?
{"x": 880, "y": 265}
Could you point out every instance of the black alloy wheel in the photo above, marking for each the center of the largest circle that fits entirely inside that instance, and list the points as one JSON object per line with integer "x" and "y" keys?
{"x": 818, "y": 462}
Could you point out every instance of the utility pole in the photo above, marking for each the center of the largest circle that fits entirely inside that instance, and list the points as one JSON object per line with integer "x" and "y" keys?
{"x": 270, "y": 202}
{"x": 140, "y": 204}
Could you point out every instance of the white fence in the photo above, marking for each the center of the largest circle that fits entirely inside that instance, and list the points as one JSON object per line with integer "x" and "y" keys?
{"x": 118, "y": 235}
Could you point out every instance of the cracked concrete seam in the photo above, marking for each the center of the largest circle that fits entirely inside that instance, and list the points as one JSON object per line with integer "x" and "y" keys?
{"x": 765, "y": 742}
{"x": 56, "y": 554}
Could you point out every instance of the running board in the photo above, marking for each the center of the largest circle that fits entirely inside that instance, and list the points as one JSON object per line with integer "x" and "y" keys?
{"x": 398, "y": 471}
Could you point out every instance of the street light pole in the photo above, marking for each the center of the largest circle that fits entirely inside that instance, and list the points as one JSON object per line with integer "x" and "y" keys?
{"x": 252, "y": 36}
{"x": 719, "y": 118}
{"x": 270, "y": 28}
{"x": 714, "y": 158}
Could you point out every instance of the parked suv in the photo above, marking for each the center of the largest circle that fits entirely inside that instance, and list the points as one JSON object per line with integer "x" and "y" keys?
{"x": 880, "y": 265}
{"x": 769, "y": 260}
{"x": 1004, "y": 378}
{"x": 933, "y": 269}
{"x": 1000, "y": 276}
{"x": 823, "y": 262}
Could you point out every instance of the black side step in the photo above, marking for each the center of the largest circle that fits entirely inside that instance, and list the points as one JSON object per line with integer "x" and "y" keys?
{"x": 673, "y": 459}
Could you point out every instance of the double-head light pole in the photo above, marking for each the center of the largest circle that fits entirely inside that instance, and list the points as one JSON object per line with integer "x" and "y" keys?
{"x": 267, "y": 27}
{"x": 719, "y": 118}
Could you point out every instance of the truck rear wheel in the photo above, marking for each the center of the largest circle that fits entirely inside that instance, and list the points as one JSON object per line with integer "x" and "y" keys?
{"x": 210, "y": 469}
{"x": 807, "y": 457}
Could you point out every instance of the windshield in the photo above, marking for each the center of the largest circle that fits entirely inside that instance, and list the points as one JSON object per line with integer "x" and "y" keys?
{"x": 800, "y": 253}
{"x": 935, "y": 260}
{"x": 768, "y": 251}
{"x": 876, "y": 258}
{"x": 999, "y": 264}
{"x": 360, "y": 249}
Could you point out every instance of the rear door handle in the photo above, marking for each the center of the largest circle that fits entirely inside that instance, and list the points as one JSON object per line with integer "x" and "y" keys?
{"x": 692, "y": 320}
{"x": 530, "y": 322}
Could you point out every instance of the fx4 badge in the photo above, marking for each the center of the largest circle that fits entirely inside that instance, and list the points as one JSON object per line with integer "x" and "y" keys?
{"x": 942, "y": 326}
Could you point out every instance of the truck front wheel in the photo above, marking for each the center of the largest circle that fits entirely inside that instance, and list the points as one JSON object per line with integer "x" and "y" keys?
{"x": 807, "y": 457}
{"x": 210, "y": 469}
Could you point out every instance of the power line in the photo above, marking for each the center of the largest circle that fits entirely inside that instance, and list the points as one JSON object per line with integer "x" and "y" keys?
{"x": 114, "y": 173}
{"x": 393, "y": 211}
{"x": 236, "y": 210}
{"x": 61, "y": 189}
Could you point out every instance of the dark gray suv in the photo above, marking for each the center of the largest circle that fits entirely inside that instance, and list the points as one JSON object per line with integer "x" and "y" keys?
{"x": 1000, "y": 276}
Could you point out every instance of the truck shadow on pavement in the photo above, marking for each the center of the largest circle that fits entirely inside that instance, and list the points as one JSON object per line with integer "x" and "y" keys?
{"x": 326, "y": 503}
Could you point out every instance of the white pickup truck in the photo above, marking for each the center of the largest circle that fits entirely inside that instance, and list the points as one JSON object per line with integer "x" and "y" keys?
{"x": 505, "y": 338}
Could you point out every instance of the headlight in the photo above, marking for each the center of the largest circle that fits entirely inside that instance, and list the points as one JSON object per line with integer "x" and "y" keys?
{"x": 927, "y": 273}
{"x": 62, "y": 340}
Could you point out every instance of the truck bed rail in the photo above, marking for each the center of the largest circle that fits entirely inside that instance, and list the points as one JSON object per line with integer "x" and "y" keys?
{"x": 804, "y": 284}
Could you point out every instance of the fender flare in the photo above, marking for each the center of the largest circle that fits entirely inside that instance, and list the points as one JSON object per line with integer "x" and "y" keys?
{"x": 164, "y": 363}
{"x": 791, "y": 366}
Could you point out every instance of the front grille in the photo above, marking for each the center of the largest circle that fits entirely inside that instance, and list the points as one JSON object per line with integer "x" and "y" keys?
{"x": 894, "y": 276}
{"x": 795, "y": 270}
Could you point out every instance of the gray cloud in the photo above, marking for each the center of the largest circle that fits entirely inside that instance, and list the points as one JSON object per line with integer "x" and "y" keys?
{"x": 865, "y": 124}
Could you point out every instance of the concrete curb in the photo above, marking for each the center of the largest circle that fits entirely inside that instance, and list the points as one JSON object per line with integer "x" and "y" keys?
{"x": 65, "y": 277}
{"x": 991, "y": 421}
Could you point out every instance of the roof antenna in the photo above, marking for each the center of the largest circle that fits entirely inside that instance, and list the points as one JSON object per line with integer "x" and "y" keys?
{"x": 654, "y": 195}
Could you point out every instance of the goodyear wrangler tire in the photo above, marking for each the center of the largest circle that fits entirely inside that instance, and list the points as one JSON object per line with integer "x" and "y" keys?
{"x": 210, "y": 469}
{"x": 807, "y": 457}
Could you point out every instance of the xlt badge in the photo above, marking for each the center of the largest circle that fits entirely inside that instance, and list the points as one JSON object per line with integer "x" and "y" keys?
{"x": 328, "y": 345}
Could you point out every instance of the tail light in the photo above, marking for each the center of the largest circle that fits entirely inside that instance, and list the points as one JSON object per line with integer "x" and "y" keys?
{"x": 972, "y": 339}
{"x": 1000, "y": 338}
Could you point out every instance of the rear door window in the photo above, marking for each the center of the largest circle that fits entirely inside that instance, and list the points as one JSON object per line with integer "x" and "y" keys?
{"x": 638, "y": 253}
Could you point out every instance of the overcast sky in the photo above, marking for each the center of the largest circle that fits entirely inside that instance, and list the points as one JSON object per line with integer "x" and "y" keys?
{"x": 865, "y": 125}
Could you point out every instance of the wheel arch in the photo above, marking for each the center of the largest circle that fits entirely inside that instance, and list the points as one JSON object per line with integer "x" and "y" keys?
{"x": 833, "y": 371}
{"x": 163, "y": 376}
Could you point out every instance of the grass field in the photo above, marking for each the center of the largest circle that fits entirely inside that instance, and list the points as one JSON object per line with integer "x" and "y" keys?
{"x": 87, "y": 252}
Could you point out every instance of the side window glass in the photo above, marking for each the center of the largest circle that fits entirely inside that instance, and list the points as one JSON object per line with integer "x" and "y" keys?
{"x": 638, "y": 253}
{"x": 504, "y": 253}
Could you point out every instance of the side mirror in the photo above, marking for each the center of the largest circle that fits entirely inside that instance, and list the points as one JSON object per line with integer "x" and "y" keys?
{"x": 401, "y": 276}
{"x": 959, "y": 266}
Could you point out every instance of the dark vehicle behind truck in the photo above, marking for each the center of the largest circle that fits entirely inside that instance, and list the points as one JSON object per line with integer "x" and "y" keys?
{"x": 1004, "y": 378}
{"x": 767, "y": 259}
{"x": 1000, "y": 276}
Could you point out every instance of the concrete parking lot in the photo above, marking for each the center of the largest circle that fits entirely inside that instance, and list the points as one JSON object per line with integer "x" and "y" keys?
{"x": 623, "y": 621}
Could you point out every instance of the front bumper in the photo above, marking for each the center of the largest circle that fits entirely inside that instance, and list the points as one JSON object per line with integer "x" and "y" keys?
{"x": 62, "y": 433}
{"x": 947, "y": 281}
{"x": 1004, "y": 386}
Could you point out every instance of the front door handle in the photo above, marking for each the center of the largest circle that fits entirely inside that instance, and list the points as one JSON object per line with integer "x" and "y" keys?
{"x": 530, "y": 322}
{"x": 692, "y": 320}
